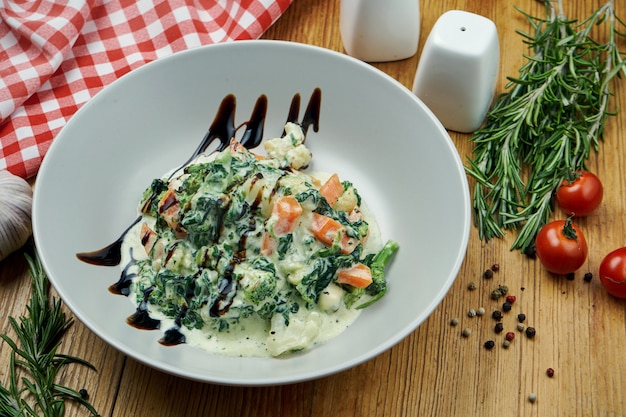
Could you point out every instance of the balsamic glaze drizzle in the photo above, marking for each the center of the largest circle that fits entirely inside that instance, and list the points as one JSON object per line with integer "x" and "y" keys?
{"x": 173, "y": 336}
{"x": 225, "y": 286}
{"x": 223, "y": 130}
{"x": 110, "y": 255}
{"x": 122, "y": 286}
{"x": 141, "y": 318}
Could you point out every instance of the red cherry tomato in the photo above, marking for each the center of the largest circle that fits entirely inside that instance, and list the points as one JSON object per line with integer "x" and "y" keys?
{"x": 613, "y": 272}
{"x": 580, "y": 196}
{"x": 561, "y": 247}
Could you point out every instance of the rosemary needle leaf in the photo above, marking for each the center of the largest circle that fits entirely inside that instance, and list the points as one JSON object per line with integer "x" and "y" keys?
{"x": 544, "y": 126}
{"x": 75, "y": 396}
{"x": 34, "y": 356}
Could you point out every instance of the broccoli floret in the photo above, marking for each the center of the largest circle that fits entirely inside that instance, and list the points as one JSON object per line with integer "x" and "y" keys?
{"x": 195, "y": 179}
{"x": 258, "y": 285}
{"x": 378, "y": 288}
{"x": 151, "y": 197}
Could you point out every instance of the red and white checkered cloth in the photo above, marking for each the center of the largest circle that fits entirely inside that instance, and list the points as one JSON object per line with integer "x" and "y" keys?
{"x": 56, "y": 54}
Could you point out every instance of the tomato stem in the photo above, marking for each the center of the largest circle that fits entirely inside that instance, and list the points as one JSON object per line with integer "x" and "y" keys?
{"x": 568, "y": 230}
{"x": 571, "y": 176}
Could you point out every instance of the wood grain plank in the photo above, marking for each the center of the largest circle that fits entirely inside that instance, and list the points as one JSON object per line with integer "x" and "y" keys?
{"x": 581, "y": 330}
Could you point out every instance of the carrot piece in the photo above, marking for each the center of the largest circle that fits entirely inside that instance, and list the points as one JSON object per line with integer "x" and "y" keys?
{"x": 268, "y": 244}
{"x": 148, "y": 237}
{"x": 154, "y": 247}
{"x": 287, "y": 211}
{"x": 314, "y": 180}
{"x": 359, "y": 276}
{"x": 236, "y": 147}
{"x": 326, "y": 230}
{"x": 169, "y": 208}
{"x": 356, "y": 214}
{"x": 332, "y": 189}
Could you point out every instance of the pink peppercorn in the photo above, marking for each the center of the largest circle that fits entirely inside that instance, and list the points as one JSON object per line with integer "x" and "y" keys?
{"x": 510, "y": 299}
{"x": 550, "y": 372}
{"x": 510, "y": 336}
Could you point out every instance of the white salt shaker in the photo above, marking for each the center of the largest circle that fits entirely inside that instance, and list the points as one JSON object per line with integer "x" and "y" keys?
{"x": 458, "y": 69}
{"x": 380, "y": 30}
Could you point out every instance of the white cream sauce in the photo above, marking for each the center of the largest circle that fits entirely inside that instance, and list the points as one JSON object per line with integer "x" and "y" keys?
{"x": 253, "y": 336}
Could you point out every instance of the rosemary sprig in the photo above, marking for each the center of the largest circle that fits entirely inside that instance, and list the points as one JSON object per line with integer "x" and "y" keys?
{"x": 546, "y": 123}
{"x": 35, "y": 364}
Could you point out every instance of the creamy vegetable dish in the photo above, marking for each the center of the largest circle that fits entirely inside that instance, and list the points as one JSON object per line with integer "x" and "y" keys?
{"x": 248, "y": 256}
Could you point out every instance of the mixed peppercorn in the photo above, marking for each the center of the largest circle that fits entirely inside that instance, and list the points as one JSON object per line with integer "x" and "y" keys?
{"x": 499, "y": 316}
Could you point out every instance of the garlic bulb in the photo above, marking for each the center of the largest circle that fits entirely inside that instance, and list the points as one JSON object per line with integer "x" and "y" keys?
{"x": 16, "y": 200}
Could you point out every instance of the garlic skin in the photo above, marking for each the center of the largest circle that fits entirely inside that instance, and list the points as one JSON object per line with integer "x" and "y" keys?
{"x": 16, "y": 201}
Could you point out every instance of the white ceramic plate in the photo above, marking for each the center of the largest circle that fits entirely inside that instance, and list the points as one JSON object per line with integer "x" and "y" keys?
{"x": 373, "y": 131}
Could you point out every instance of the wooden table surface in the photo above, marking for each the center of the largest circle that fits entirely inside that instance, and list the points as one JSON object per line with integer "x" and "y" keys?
{"x": 581, "y": 331}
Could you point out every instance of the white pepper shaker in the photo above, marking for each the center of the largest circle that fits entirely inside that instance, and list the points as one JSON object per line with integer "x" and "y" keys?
{"x": 380, "y": 30}
{"x": 458, "y": 69}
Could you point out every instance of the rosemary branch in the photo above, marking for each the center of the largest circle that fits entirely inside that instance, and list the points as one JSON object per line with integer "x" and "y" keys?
{"x": 544, "y": 126}
{"x": 35, "y": 364}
